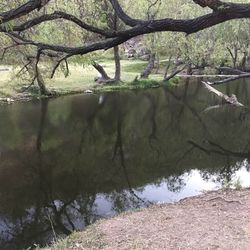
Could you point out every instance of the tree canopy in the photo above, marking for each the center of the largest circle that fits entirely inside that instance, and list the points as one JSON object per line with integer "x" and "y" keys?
{"x": 17, "y": 20}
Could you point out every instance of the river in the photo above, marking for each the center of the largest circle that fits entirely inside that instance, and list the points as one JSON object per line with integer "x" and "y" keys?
{"x": 69, "y": 161}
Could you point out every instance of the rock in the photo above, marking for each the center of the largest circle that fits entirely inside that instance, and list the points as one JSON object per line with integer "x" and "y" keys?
{"x": 134, "y": 48}
{"x": 7, "y": 100}
{"x": 88, "y": 91}
{"x": 130, "y": 53}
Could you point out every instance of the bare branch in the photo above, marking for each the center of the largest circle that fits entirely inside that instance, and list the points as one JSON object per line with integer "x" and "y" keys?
{"x": 58, "y": 15}
{"x": 212, "y": 4}
{"x": 222, "y": 12}
{"x": 123, "y": 16}
{"x": 64, "y": 59}
{"x": 22, "y": 10}
{"x": 241, "y": 76}
{"x": 23, "y": 68}
{"x": 7, "y": 48}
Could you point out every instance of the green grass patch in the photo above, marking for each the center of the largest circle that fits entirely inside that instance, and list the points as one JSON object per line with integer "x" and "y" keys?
{"x": 91, "y": 238}
{"x": 80, "y": 79}
{"x": 145, "y": 83}
{"x": 135, "y": 67}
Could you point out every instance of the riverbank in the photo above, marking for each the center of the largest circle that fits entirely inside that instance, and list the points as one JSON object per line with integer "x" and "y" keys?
{"x": 215, "y": 220}
{"x": 27, "y": 96}
{"x": 81, "y": 79}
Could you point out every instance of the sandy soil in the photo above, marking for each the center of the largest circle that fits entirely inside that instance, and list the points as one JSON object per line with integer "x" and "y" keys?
{"x": 216, "y": 220}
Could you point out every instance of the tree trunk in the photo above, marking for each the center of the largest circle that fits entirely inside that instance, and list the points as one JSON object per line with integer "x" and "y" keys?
{"x": 117, "y": 64}
{"x": 177, "y": 71}
{"x": 189, "y": 69}
{"x": 157, "y": 65}
{"x": 101, "y": 70}
{"x": 234, "y": 56}
{"x": 41, "y": 84}
{"x": 40, "y": 80}
{"x": 243, "y": 62}
{"x": 145, "y": 74}
{"x": 117, "y": 58}
{"x": 167, "y": 67}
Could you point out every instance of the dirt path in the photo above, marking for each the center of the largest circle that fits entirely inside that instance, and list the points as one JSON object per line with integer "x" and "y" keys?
{"x": 216, "y": 220}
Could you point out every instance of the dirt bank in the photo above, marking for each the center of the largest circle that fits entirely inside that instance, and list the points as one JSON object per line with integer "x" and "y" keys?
{"x": 216, "y": 220}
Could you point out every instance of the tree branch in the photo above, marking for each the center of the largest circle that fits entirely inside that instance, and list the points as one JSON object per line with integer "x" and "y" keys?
{"x": 222, "y": 12}
{"x": 22, "y": 10}
{"x": 58, "y": 15}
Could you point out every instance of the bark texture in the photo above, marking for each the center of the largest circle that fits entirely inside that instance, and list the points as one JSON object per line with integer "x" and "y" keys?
{"x": 148, "y": 70}
{"x": 117, "y": 64}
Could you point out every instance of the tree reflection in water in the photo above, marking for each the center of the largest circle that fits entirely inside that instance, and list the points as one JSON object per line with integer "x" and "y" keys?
{"x": 67, "y": 162}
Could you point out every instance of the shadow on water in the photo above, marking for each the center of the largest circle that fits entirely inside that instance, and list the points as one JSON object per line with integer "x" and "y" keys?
{"x": 64, "y": 163}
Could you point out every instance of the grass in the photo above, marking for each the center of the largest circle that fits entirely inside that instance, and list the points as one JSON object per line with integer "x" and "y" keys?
{"x": 91, "y": 238}
{"x": 236, "y": 184}
{"x": 7, "y": 85}
{"x": 135, "y": 67}
{"x": 80, "y": 79}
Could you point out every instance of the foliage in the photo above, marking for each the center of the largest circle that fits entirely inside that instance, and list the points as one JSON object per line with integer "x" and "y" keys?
{"x": 232, "y": 184}
{"x": 226, "y": 44}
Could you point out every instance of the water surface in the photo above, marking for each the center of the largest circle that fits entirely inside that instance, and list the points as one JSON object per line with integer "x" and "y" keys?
{"x": 69, "y": 161}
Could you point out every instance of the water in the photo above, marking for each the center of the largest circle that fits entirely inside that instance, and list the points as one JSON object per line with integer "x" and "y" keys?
{"x": 73, "y": 160}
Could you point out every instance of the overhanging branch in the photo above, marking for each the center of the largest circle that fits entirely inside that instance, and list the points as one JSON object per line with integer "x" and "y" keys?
{"x": 22, "y": 10}
{"x": 222, "y": 12}
{"x": 58, "y": 15}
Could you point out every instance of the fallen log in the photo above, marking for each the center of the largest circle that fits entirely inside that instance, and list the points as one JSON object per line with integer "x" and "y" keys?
{"x": 225, "y": 98}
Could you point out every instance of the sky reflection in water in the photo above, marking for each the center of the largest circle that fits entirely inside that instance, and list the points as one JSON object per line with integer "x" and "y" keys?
{"x": 73, "y": 160}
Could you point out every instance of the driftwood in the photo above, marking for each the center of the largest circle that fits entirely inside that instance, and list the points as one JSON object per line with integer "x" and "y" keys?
{"x": 225, "y": 98}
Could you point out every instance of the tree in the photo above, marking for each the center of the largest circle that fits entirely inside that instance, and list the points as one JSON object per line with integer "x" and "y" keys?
{"x": 17, "y": 21}
{"x": 111, "y": 21}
